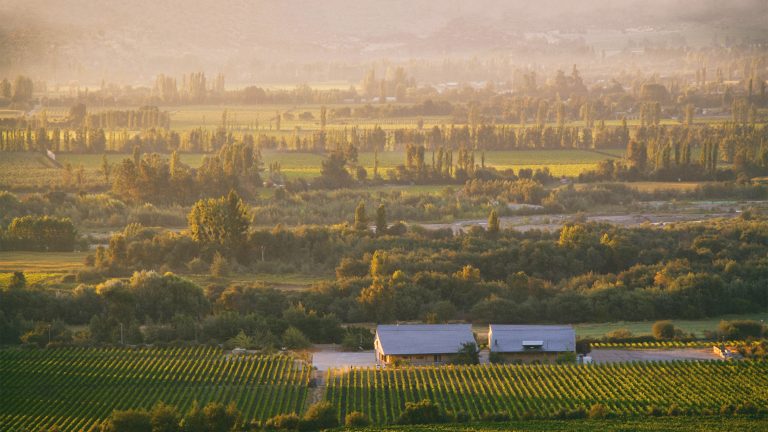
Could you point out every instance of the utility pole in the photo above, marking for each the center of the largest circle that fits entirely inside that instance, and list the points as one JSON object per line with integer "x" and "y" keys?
{"x": 49, "y": 333}
{"x": 122, "y": 341}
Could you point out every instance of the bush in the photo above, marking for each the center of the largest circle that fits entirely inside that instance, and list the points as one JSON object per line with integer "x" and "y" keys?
{"x": 501, "y": 416}
{"x": 742, "y": 329}
{"x": 219, "y": 266}
{"x": 128, "y": 421}
{"x": 293, "y": 338}
{"x": 663, "y": 330}
{"x": 356, "y": 419}
{"x": 461, "y": 417}
{"x": 321, "y": 415}
{"x": 424, "y": 412}
{"x": 655, "y": 411}
{"x": 283, "y": 422}
{"x": 197, "y": 265}
{"x": 598, "y": 411}
{"x": 674, "y": 410}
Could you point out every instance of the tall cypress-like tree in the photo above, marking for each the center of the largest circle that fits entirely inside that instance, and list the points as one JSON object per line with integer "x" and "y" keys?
{"x": 381, "y": 220}
{"x": 361, "y": 220}
{"x": 493, "y": 222}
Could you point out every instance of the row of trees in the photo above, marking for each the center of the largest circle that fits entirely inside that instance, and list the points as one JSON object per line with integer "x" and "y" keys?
{"x": 154, "y": 178}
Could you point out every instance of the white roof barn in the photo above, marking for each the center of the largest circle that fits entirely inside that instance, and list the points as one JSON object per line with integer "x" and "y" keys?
{"x": 522, "y": 338}
{"x": 415, "y": 339}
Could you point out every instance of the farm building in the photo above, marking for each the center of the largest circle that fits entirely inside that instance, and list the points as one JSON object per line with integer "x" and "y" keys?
{"x": 528, "y": 343}
{"x": 420, "y": 344}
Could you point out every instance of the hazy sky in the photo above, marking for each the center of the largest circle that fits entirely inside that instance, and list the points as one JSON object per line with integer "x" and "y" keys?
{"x": 136, "y": 39}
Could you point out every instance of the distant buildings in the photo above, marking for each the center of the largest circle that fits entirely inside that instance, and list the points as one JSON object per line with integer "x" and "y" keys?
{"x": 527, "y": 343}
{"x": 420, "y": 344}
{"x": 434, "y": 344}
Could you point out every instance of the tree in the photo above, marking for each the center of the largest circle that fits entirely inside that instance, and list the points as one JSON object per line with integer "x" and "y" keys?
{"x": 219, "y": 418}
{"x": 493, "y": 223}
{"x": 740, "y": 329}
{"x": 319, "y": 416}
{"x": 323, "y": 117}
{"x": 333, "y": 174}
{"x": 22, "y": 89}
{"x": 381, "y": 220}
{"x": 220, "y": 223}
{"x": 468, "y": 354}
{"x": 106, "y": 168}
{"x": 165, "y": 418}
{"x": 663, "y": 330}
{"x": 128, "y": 421}
{"x": 361, "y": 220}
{"x": 424, "y": 412}
{"x": 18, "y": 281}
{"x": 293, "y": 338}
{"x": 219, "y": 265}
{"x": 356, "y": 419}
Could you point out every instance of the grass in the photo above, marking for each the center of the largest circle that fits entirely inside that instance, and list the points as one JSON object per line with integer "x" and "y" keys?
{"x": 35, "y": 171}
{"x": 698, "y": 327}
{"x": 41, "y": 262}
{"x": 288, "y": 282}
{"x": 38, "y": 279}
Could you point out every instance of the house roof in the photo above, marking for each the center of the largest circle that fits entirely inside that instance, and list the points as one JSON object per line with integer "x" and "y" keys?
{"x": 514, "y": 338}
{"x": 409, "y": 339}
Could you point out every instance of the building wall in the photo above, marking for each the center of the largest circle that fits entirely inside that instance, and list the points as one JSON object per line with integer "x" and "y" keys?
{"x": 530, "y": 357}
{"x": 414, "y": 360}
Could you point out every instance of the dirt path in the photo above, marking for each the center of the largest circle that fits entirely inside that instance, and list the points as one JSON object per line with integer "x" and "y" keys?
{"x": 316, "y": 393}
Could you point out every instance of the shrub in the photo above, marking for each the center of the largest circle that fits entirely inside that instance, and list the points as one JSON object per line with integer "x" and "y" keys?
{"x": 293, "y": 338}
{"x": 321, "y": 415}
{"x": 197, "y": 265}
{"x": 621, "y": 333}
{"x": 424, "y": 412}
{"x": 674, "y": 410}
{"x": 500, "y": 416}
{"x": 598, "y": 411}
{"x": 283, "y": 422}
{"x": 128, "y": 421}
{"x": 741, "y": 329}
{"x": 356, "y": 419}
{"x": 663, "y": 330}
{"x": 655, "y": 411}
{"x": 461, "y": 417}
{"x": 219, "y": 266}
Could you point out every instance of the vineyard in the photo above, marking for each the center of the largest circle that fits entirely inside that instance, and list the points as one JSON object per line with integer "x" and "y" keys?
{"x": 656, "y": 344}
{"x": 526, "y": 391}
{"x": 715, "y": 424}
{"x": 75, "y": 388}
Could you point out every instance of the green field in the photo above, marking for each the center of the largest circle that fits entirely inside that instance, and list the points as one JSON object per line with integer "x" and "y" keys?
{"x": 41, "y": 262}
{"x": 627, "y": 390}
{"x": 713, "y": 424}
{"x": 643, "y": 328}
{"x": 291, "y": 281}
{"x": 73, "y": 389}
{"x": 21, "y": 171}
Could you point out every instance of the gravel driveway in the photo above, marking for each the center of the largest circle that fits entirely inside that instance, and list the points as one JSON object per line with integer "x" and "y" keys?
{"x": 327, "y": 357}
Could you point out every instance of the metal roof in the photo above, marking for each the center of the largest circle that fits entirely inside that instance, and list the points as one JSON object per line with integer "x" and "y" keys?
{"x": 514, "y": 338}
{"x": 408, "y": 339}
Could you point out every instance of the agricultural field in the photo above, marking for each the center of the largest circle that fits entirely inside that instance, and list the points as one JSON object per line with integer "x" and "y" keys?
{"x": 31, "y": 171}
{"x": 643, "y": 328}
{"x": 73, "y": 389}
{"x": 713, "y": 424}
{"x": 539, "y": 390}
{"x": 45, "y": 262}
